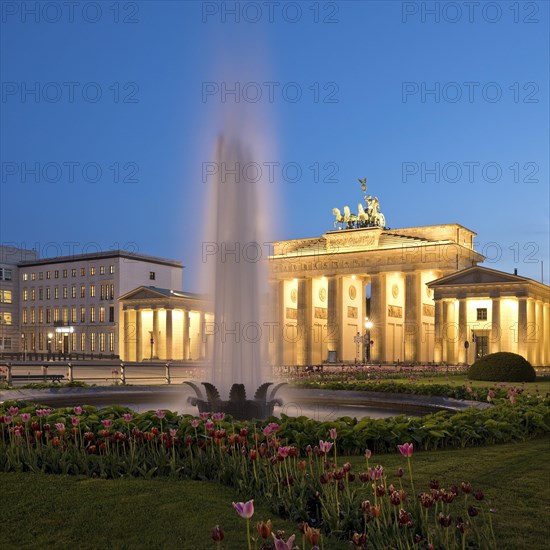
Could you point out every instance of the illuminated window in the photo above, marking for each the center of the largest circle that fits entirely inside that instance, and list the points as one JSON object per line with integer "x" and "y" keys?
{"x": 33, "y": 276}
{"x": 48, "y": 293}
{"x": 24, "y": 316}
{"x": 40, "y": 315}
{"x": 73, "y": 272}
{"x": 40, "y": 341}
{"x": 82, "y": 314}
{"x": 92, "y": 314}
{"x": 25, "y": 276}
{"x": 48, "y": 315}
{"x": 111, "y": 341}
{"x": 83, "y": 342}
{"x": 33, "y": 294}
{"x": 55, "y": 314}
{"x": 56, "y": 274}
{"x": 101, "y": 314}
{"x": 5, "y": 296}
{"x": 33, "y": 316}
{"x": 92, "y": 271}
{"x": 25, "y": 295}
{"x": 111, "y": 269}
{"x": 65, "y": 292}
{"x": 56, "y": 292}
{"x": 82, "y": 271}
{"x": 65, "y": 273}
{"x": 65, "y": 315}
{"x": 92, "y": 291}
{"x": 102, "y": 270}
{"x": 92, "y": 341}
{"x": 73, "y": 314}
{"x": 102, "y": 292}
{"x": 482, "y": 314}
{"x": 48, "y": 274}
{"x": 5, "y": 318}
{"x": 73, "y": 291}
{"x": 83, "y": 291}
{"x": 101, "y": 341}
{"x": 112, "y": 292}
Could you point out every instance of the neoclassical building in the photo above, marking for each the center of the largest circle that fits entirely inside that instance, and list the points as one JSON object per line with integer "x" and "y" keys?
{"x": 322, "y": 291}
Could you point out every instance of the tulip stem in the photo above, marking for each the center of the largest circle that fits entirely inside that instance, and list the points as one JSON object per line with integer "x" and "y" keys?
{"x": 248, "y": 533}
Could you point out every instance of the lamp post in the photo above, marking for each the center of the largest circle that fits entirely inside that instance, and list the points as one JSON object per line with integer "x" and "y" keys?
{"x": 152, "y": 342}
{"x": 50, "y": 336}
{"x": 24, "y": 343}
{"x": 368, "y": 326}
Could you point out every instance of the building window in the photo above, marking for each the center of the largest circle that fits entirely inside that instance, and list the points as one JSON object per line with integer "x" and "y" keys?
{"x": 101, "y": 341}
{"x": 111, "y": 269}
{"x": 48, "y": 293}
{"x": 56, "y": 274}
{"x": 83, "y": 341}
{"x": 102, "y": 292}
{"x": 33, "y": 294}
{"x": 33, "y": 341}
{"x": 102, "y": 270}
{"x": 82, "y": 314}
{"x": 65, "y": 292}
{"x": 48, "y": 274}
{"x": 48, "y": 315}
{"x": 111, "y": 341}
{"x": 25, "y": 316}
{"x": 40, "y": 315}
{"x": 92, "y": 271}
{"x": 40, "y": 293}
{"x": 82, "y": 271}
{"x": 101, "y": 314}
{"x": 112, "y": 292}
{"x": 92, "y": 341}
{"x": 65, "y": 315}
{"x": 5, "y": 274}
{"x": 73, "y": 314}
{"x": 65, "y": 273}
{"x": 33, "y": 276}
{"x": 25, "y": 276}
{"x": 25, "y": 295}
{"x": 92, "y": 291}
{"x": 482, "y": 346}
{"x": 5, "y": 318}
{"x": 151, "y": 275}
{"x": 83, "y": 291}
{"x": 5, "y": 296}
{"x": 33, "y": 316}
{"x": 482, "y": 314}
{"x": 111, "y": 314}
{"x": 73, "y": 272}
{"x": 41, "y": 276}
{"x": 6, "y": 343}
{"x": 56, "y": 292}
{"x": 92, "y": 314}
{"x": 55, "y": 314}
{"x": 73, "y": 291}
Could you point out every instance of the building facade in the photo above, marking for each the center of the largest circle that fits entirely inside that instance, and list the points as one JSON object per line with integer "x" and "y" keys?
{"x": 70, "y": 304}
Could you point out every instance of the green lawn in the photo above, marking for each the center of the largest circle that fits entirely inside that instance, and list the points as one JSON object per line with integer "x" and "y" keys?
{"x": 62, "y": 512}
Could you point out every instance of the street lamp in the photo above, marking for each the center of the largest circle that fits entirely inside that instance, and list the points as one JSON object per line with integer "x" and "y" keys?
{"x": 152, "y": 342}
{"x": 368, "y": 326}
{"x": 50, "y": 336}
{"x": 24, "y": 343}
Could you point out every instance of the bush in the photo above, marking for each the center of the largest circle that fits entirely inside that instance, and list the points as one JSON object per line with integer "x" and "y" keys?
{"x": 502, "y": 367}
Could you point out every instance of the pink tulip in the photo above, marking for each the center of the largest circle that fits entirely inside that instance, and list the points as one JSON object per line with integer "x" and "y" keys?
{"x": 25, "y": 417}
{"x": 43, "y": 412}
{"x": 209, "y": 425}
{"x": 204, "y": 416}
{"x": 267, "y": 430}
{"x": 283, "y": 451}
{"x": 60, "y": 427}
{"x": 333, "y": 433}
{"x": 160, "y": 414}
{"x": 7, "y": 419}
{"x": 107, "y": 422}
{"x": 13, "y": 410}
{"x": 274, "y": 426}
{"x": 368, "y": 453}
{"x": 173, "y": 432}
{"x": 376, "y": 472}
{"x": 218, "y": 417}
{"x": 406, "y": 449}
{"x": 75, "y": 420}
{"x": 325, "y": 446}
{"x": 244, "y": 509}
{"x": 77, "y": 410}
{"x": 18, "y": 432}
{"x": 127, "y": 417}
{"x": 280, "y": 544}
{"x": 195, "y": 423}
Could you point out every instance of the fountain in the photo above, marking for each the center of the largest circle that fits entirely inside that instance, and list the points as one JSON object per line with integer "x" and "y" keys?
{"x": 238, "y": 281}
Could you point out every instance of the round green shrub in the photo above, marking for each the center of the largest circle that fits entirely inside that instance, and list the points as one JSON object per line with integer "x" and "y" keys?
{"x": 502, "y": 366}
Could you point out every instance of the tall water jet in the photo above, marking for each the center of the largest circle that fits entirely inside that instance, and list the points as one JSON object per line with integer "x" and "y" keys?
{"x": 235, "y": 259}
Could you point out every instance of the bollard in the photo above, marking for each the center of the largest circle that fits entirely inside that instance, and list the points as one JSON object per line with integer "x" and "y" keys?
{"x": 122, "y": 373}
{"x": 167, "y": 373}
{"x": 8, "y": 375}
{"x": 70, "y": 372}
{"x": 45, "y": 372}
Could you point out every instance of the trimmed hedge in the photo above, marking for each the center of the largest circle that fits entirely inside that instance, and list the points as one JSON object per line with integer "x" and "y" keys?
{"x": 502, "y": 366}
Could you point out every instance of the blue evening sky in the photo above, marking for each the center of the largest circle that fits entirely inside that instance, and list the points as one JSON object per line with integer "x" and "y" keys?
{"x": 389, "y": 90}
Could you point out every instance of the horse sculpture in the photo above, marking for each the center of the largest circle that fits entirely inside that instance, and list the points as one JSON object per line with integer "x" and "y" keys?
{"x": 339, "y": 218}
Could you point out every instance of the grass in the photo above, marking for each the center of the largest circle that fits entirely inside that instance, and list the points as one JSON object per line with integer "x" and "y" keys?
{"x": 42, "y": 511}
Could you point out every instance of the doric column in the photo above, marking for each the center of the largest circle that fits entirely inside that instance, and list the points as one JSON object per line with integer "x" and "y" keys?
{"x": 126, "y": 335}
{"x": 412, "y": 317}
{"x": 333, "y": 315}
{"x": 449, "y": 332}
{"x": 438, "y": 340}
{"x": 465, "y": 355}
{"x": 138, "y": 335}
{"x": 186, "y": 323}
{"x": 156, "y": 337}
{"x": 545, "y": 332}
{"x": 304, "y": 322}
{"x": 379, "y": 312}
{"x": 522, "y": 327}
{"x": 169, "y": 334}
{"x": 539, "y": 333}
{"x": 496, "y": 332}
